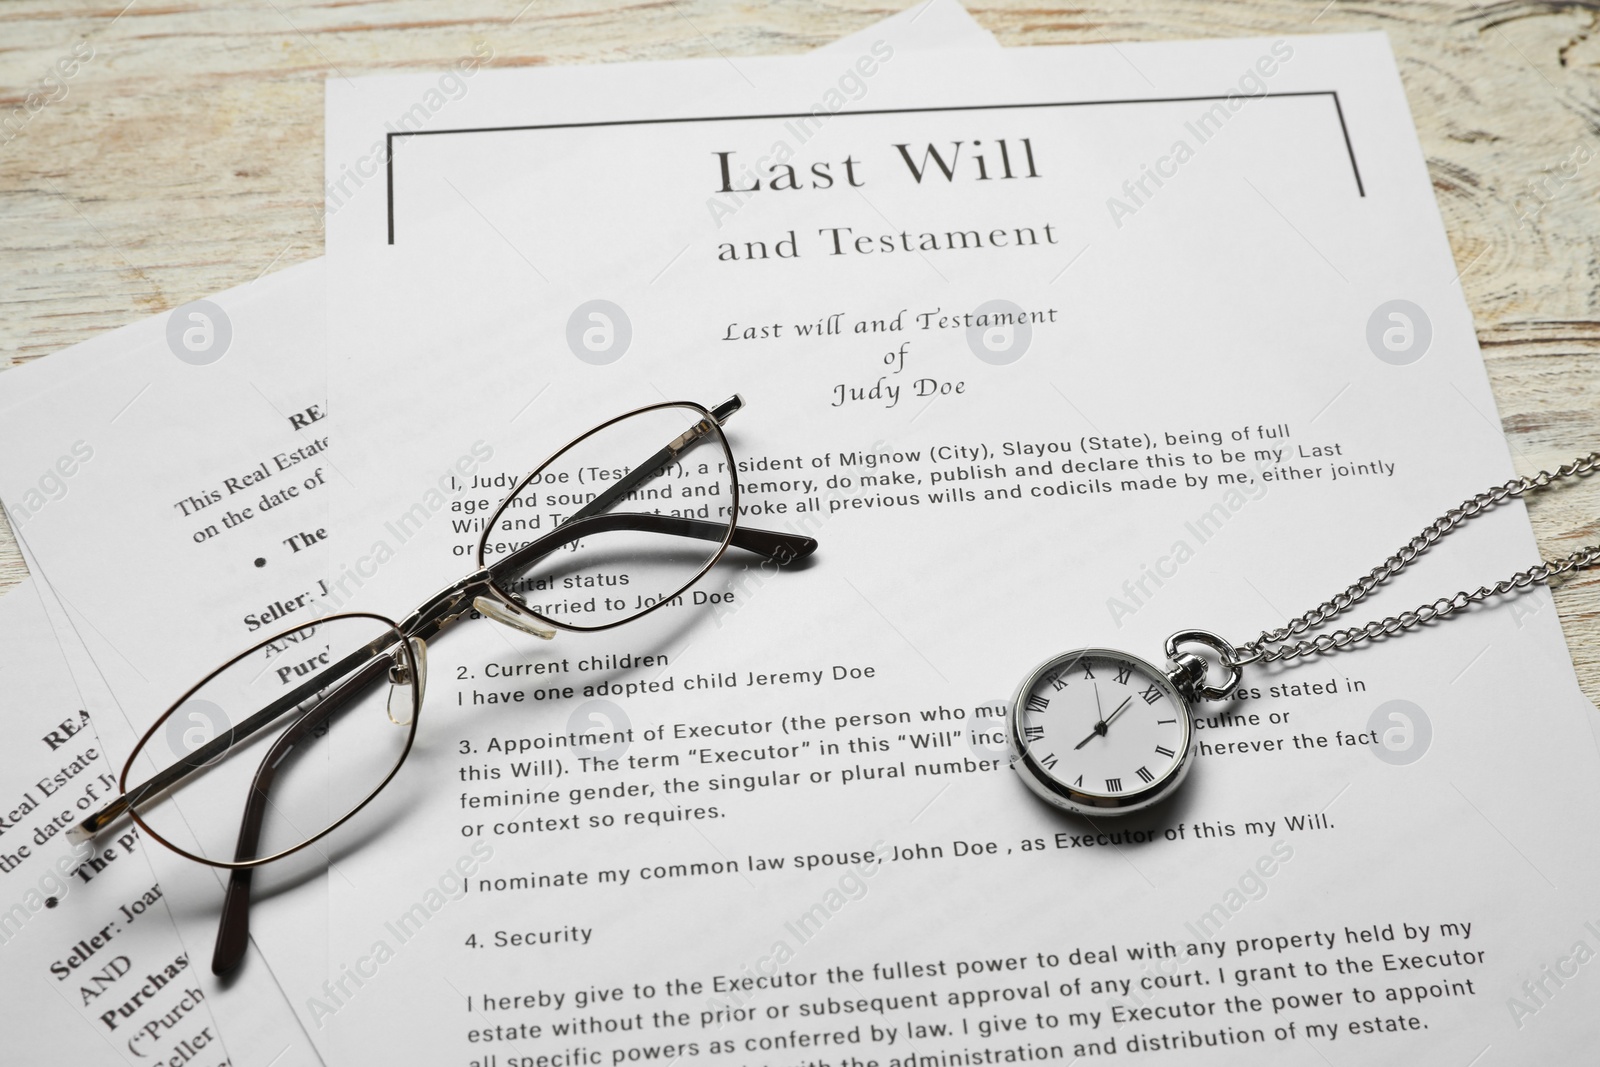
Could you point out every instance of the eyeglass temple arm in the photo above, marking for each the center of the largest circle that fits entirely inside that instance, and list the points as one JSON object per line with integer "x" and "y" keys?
{"x": 775, "y": 545}
{"x": 207, "y": 753}
{"x": 653, "y": 466}
{"x": 233, "y": 931}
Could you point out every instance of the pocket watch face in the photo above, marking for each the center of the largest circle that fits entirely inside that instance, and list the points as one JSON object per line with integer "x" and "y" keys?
{"x": 1100, "y": 730}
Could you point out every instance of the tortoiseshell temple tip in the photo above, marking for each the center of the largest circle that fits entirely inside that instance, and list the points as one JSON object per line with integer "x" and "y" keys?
{"x": 233, "y": 933}
{"x": 81, "y": 833}
{"x": 801, "y": 547}
{"x": 779, "y": 546}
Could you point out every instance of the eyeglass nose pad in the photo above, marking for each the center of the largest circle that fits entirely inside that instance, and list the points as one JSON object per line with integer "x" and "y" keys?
{"x": 402, "y": 705}
{"x": 497, "y": 611}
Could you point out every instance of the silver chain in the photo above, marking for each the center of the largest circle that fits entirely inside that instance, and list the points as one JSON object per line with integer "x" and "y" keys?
{"x": 1262, "y": 647}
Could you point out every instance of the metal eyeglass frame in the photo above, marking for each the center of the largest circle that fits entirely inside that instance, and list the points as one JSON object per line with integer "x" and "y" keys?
{"x": 400, "y": 655}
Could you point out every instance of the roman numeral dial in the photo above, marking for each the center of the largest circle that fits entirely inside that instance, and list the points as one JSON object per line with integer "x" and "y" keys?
{"x": 1099, "y": 731}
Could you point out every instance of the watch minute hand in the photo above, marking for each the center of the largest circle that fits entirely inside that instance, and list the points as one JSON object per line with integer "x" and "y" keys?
{"x": 1113, "y": 716}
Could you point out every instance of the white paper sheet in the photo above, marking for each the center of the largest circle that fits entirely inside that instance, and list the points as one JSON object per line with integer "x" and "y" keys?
{"x": 1214, "y": 273}
{"x": 99, "y": 418}
{"x": 96, "y": 968}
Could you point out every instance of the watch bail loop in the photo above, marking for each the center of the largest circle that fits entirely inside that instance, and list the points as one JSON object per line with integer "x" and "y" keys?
{"x": 1192, "y": 670}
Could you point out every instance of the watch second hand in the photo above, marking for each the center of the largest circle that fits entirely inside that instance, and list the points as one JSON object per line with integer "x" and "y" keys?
{"x": 1104, "y": 724}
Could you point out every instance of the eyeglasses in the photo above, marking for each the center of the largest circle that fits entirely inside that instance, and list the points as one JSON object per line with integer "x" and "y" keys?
{"x": 287, "y": 740}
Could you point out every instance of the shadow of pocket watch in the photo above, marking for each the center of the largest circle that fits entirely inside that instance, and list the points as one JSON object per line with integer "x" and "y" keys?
{"x": 1097, "y": 731}
{"x": 1100, "y": 732}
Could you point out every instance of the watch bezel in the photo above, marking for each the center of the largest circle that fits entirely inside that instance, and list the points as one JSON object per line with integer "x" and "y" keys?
{"x": 1086, "y": 801}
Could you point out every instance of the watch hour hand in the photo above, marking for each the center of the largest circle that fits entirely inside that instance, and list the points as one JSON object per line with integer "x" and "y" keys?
{"x": 1098, "y": 731}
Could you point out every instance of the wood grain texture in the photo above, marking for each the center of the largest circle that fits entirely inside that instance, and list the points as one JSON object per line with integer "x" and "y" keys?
{"x": 185, "y": 157}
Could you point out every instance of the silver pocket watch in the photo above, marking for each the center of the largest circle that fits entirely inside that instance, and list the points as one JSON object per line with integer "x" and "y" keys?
{"x": 1097, "y": 731}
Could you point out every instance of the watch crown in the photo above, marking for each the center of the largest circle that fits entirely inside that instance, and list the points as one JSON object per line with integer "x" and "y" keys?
{"x": 1188, "y": 674}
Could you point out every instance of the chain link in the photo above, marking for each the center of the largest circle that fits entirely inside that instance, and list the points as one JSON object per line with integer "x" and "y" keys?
{"x": 1275, "y": 645}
